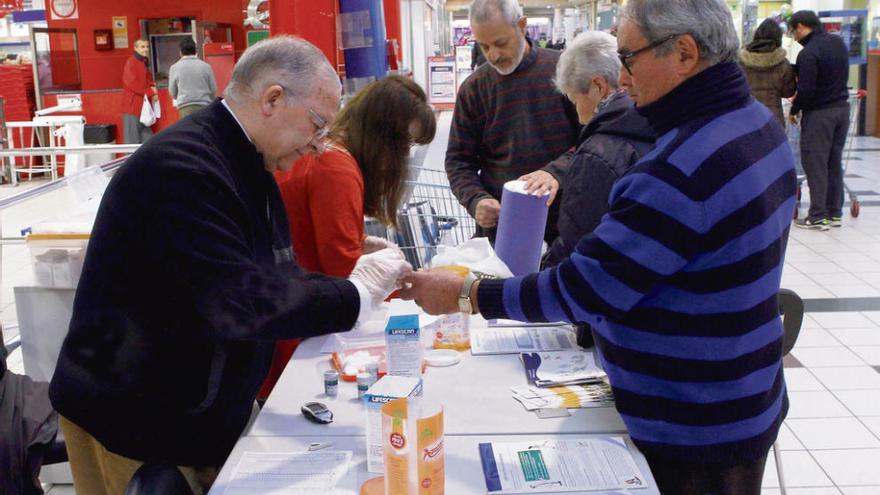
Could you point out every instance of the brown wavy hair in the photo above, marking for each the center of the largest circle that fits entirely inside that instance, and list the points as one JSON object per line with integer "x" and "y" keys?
{"x": 374, "y": 126}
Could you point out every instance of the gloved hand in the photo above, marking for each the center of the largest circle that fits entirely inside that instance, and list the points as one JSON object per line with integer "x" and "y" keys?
{"x": 379, "y": 272}
{"x": 372, "y": 244}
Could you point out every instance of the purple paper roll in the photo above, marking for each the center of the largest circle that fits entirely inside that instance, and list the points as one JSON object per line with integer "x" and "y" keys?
{"x": 521, "y": 228}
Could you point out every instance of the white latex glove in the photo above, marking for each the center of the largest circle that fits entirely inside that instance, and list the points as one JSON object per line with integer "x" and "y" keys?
{"x": 372, "y": 244}
{"x": 379, "y": 272}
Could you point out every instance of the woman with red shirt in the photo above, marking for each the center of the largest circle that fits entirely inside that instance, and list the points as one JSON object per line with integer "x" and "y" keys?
{"x": 361, "y": 173}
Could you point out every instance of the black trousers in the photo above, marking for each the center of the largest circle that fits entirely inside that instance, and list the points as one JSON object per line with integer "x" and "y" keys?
{"x": 823, "y": 136}
{"x": 680, "y": 478}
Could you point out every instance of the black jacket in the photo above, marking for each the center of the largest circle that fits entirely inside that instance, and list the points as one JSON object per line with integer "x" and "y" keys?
{"x": 610, "y": 144}
{"x": 188, "y": 281}
{"x": 823, "y": 72}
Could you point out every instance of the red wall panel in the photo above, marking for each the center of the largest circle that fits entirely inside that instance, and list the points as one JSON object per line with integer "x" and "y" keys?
{"x": 314, "y": 20}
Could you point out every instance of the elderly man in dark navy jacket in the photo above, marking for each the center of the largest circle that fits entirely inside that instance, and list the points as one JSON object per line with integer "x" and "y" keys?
{"x": 823, "y": 71}
{"x": 190, "y": 278}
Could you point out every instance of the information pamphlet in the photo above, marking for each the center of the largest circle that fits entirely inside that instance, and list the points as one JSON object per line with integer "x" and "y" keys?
{"x": 501, "y": 322}
{"x": 569, "y": 397}
{"x": 513, "y": 340}
{"x": 549, "y": 369}
{"x": 293, "y": 473}
{"x": 553, "y": 466}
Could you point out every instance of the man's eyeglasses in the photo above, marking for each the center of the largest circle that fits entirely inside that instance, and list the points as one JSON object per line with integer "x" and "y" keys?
{"x": 321, "y": 132}
{"x": 626, "y": 57}
{"x": 322, "y": 128}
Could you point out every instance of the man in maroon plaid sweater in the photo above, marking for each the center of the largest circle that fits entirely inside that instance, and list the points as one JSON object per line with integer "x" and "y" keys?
{"x": 509, "y": 120}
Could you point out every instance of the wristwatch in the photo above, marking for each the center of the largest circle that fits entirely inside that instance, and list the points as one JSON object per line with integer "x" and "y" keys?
{"x": 464, "y": 297}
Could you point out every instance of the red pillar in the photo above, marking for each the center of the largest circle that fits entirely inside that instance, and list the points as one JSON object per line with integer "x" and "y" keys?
{"x": 313, "y": 20}
{"x": 392, "y": 19}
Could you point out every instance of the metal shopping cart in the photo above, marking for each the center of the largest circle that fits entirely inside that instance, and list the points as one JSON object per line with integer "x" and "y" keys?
{"x": 430, "y": 216}
{"x": 794, "y": 138}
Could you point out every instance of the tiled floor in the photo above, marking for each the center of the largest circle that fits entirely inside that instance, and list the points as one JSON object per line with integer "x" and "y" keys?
{"x": 830, "y": 442}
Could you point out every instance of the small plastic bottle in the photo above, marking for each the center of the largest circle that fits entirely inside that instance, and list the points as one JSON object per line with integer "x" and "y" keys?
{"x": 447, "y": 237}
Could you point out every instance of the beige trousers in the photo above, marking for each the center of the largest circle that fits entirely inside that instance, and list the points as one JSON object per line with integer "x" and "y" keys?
{"x": 97, "y": 471}
{"x": 189, "y": 109}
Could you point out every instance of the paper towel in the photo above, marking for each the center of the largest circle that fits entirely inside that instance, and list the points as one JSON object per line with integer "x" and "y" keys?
{"x": 521, "y": 228}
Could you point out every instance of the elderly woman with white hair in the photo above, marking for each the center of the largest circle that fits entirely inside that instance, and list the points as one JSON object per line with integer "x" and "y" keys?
{"x": 613, "y": 139}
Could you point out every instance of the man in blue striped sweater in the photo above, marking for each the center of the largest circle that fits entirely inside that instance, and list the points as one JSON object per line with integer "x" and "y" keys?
{"x": 680, "y": 278}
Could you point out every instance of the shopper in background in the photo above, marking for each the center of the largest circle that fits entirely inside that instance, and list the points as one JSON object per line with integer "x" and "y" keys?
{"x": 362, "y": 172}
{"x": 770, "y": 75}
{"x": 191, "y": 81}
{"x": 615, "y": 136}
{"x": 477, "y": 57}
{"x": 822, "y": 98}
{"x": 509, "y": 120}
{"x": 680, "y": 278}
{"x": 189, "y": 279}
{"x": 137, "y": 81}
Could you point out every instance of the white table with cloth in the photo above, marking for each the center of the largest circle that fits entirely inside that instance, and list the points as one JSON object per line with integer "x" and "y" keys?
{"x": 478, "y": 407}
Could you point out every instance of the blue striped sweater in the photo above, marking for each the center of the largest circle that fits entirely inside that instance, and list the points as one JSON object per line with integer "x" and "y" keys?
{"x": 680, "y": 278}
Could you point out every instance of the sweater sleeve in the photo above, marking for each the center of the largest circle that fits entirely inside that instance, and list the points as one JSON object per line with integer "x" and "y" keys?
{"x": 212, "y": 82}
{"x": 172, "y": 82}
{"x": 558, "y": 168}
{"x": 649, "y": 234}
{"x": 462, "y": 152}
{"x": 789, "y": 80}
{"x": 336, "y": 202}
{"x": 808, "y": 72}
{"x": 130, "y": 78}
{"x": 206, "y": 255}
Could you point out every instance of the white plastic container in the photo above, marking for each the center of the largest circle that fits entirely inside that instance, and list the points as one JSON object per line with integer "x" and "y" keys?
{"x": 57, "y": 259}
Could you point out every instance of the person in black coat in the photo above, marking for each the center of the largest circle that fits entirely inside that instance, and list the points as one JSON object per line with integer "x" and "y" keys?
{"x": 614, "y": 139}
{"x": 189, "y": 279}
{"x": 822, "y": 94}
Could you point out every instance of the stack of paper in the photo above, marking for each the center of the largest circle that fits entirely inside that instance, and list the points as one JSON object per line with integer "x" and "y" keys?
{"x": 514, "y": 340}
{"x": 293, "y": 473}
{"x": 570, "y": 397}
{"x": 550, "y": 369}
{"x": 501, "y": 323}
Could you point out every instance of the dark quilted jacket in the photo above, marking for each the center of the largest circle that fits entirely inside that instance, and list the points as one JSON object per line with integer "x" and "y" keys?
{"x": 610, "y": 144}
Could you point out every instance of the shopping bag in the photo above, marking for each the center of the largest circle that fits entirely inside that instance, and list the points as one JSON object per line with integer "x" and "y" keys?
{"x": 476, "y": 254}
{"x": 150, "y": 112}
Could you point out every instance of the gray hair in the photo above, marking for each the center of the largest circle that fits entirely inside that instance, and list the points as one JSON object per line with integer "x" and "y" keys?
{"x": 487, "y": 10}
{"x": 592, "y": 53}
{"x": 289, "y": 61}
{"x": 708, "y": 21}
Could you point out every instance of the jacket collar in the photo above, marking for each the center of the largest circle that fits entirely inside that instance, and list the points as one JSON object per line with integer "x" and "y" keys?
{"x": 762, "y": 60}
{"x": 617, "y": 104}
{"x": 718, "y": 89}
{"x": 231, "y": 135}
{"x": 808, "y": 38}
{"x": 528, "y": 59}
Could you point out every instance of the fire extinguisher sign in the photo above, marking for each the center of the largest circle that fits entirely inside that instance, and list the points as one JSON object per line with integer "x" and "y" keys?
{"x": 61, "y": 10}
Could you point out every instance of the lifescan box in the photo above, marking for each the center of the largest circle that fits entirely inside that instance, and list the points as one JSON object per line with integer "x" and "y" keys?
{"x": 380, "y": 393}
